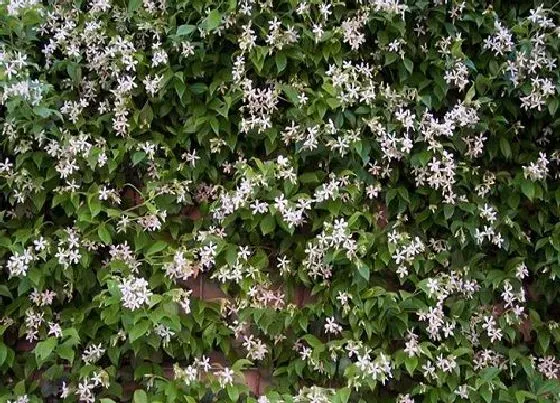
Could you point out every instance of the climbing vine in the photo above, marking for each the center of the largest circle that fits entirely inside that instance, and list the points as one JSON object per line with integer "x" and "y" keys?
{"x": 279, "y": 201}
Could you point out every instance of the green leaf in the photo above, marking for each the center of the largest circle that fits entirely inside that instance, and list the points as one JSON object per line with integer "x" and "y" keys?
{"x": 267, "y": 224}
{"x": 42, "y": 111}
{"x": 140, "y": 396}
{"x": 5, "y": 291}
{"x": 233, "y": 393}
{"x": 223, "y": 110}
{"x": 390, "y": 58}
{"x": 66, "y": 352}
{"x": 104, "y": 233}
{"x": 342, "y": 395}
{"x": 74, "y": 71}
{"x": 448, "y": 210}
{"x": 522, "y": 395}
{"x": 486, "y": 393}
{"x": 390, "y": 195}
{"x": 549, "y": 386}
{"x": 146, "y": 116}
{"x": 470, "y": 94}
{"x": 180, "y": 88}
{"x": 3, "y": 353}
{"x": 488, "y": 374}
{"x": 528, "y": 189}
{"x": 513, "y": 200}
{"x": 364, "y": 271}
{"x": 39, "y": 200}
{"x": 139, "y": 329}
{"x": 409, "y": 65}
{"x": 411, "y": 363}
{"x": 137, "y": 157}
{"x": 19, "y": 389}
{"x": 156, "y": 247}
{"x": 505, "y": 147}
{"x": 133, "y": 5}
{"x": 258, "y": 56}
{"x": 185, "y": 29}
{"x": 309, "y": 177}
{"x": 314, "y": 342}
{"x": 215, "y": 124}
{"x": 213, "y": 20}
{"x": 94, "y": 205}
{"x": 198, "y": 88}
{"x": 553, "y": 106}
{"x": 543, "y": 338}
{"x": 241, "y": 364}
{"x": 43, "y": 349}
{"x": 281, "y": 61}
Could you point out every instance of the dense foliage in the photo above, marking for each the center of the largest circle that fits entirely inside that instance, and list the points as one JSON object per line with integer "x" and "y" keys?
{"x": 279, "y": 201}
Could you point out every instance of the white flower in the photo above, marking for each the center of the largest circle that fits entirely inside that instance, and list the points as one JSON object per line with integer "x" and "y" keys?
{"x": 40, "y": 244}
{"x": 258, "y": 207}
{"x": 92, "y": 353}
{"x": 433, "y": 286}
{"x": 134, "y": 292}
{"x": 191, "y": 158}
{"x": 331, "y": 326}
{"x": 282, "y": 161}
{"x": 164, "y": 332}
{"x": 55, "y": 330}
{"x": 402, "y": 271}
{"x": 488, "y": 213}
{"x": 462, "y": 391}
{"x": 104, "y": 193}
{"x": 256, "y": 349}
{"x": 153, "y": 85}
{"x": 18, "y": 265}
{"x": 65, "y": 391}
{"x": 204, "y": 364}
{"x": 225, "y": 377}
{"x": 521, "y": 271}
{"x": 6, "y": 166}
